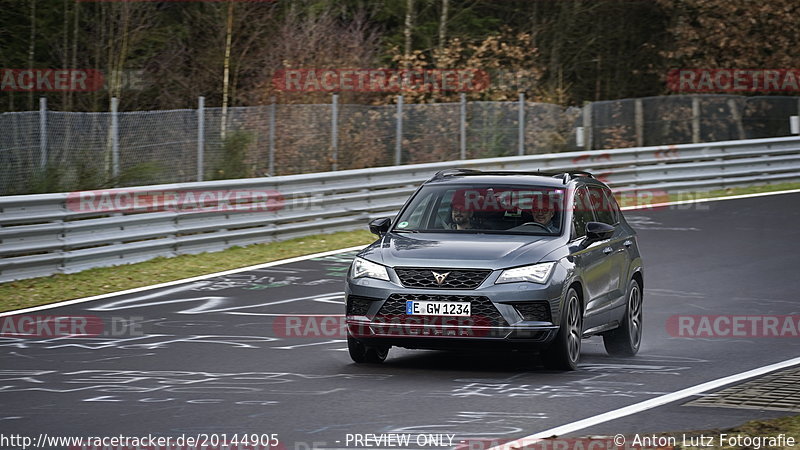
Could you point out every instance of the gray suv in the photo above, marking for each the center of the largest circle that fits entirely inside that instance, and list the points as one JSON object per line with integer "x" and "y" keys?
{"x": 511, "y": 259}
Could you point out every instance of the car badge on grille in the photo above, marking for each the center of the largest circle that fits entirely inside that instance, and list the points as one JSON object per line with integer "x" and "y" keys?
{"x": 440, "y": 277}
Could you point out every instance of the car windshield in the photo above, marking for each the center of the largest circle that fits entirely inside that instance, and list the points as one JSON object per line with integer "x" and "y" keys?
{"x": 502, "y": 209}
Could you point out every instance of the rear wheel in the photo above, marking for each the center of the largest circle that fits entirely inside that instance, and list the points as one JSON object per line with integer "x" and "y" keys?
{"x": 565, "y": 351}
{"x": 625, "y": 340}
{"x": 361, "y": 353}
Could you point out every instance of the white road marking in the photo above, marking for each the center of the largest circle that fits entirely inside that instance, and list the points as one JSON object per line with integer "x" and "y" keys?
{"x": 645, "y": 405}
{"x": 325, "y": 300}
{"x": 284, "y": 314}
{"x": 176, "y": 282}
{"x": 291, "y": 347}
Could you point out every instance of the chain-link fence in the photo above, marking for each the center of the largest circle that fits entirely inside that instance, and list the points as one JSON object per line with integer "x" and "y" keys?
{"x": 48, "y": 151}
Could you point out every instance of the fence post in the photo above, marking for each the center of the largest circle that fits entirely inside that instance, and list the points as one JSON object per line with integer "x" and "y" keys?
{"x": 521, "y": 131}
{"x": 201, "y": 136}
{"x": 463, "y": 127}
{"x": 638, "y": 113}
{"x": 114, "y": 137}
{"x": 695, "y": 119}
{"x": 737, "y": 118}
{"x": 335, "y": 133}
{"x": 42, "y": 132}
{"x": 398, "y": 145}
{"x": 587, "y": 126}
{"x": 272, "y": 138}
{"x": 794, "y": 121}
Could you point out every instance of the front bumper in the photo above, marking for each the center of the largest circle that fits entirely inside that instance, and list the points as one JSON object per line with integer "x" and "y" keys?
{"x": 375, "y": 315}
{"x": 362, "y": 327}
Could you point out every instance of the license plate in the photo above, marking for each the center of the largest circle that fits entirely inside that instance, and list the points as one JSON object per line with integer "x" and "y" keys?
{"x": 460, "y": 309}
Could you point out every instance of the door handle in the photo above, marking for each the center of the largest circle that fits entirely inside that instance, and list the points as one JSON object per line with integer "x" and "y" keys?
{"x": 607, "y": 250}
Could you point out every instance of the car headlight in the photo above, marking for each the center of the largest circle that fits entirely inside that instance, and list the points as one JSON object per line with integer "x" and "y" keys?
{"x": 363, "y": 268}
{"x": 537, "y": 273}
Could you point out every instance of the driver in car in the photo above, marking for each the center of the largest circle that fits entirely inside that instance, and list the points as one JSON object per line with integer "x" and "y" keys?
{"x": 543, "y": 212}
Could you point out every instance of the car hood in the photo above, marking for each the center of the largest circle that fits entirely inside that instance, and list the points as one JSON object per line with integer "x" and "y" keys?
{"x": 453, "y": 250}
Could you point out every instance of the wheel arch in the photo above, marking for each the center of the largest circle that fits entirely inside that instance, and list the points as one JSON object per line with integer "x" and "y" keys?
{"x": 578, "y": 285}
{"x": 639, "y": 277}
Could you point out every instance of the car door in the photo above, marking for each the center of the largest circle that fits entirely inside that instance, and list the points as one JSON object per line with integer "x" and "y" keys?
{"x": 617, "y": 258}
{"x": 591, "y": 261}
{"x": 623, "y": 246}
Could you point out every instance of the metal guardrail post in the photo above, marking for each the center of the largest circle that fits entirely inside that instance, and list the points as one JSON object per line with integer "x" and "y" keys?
{"x": 463, "y": 127}
{"x": 335, "y": 132}
{"x": 398, "y": 145}
{"x": 201, "y": 136}
{"x": 114, "y": 137}
{"x": 272, "y": 108}
{"x": 42, "y": 132}
{"x": 521, "y": 129}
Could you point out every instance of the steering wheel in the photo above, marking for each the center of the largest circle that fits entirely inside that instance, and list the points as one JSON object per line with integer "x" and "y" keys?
{"x": 535, "y": 223}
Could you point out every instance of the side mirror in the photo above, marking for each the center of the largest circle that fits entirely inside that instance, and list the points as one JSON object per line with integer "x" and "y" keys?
{"x": 597, "y": 231}
{"x": 380, "y": 226}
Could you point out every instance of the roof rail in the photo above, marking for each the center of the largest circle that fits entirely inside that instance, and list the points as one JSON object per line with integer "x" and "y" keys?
{"x": 451, "y": 172}
{"x": 565, "y": 176}
{"x": 581, "y": 173}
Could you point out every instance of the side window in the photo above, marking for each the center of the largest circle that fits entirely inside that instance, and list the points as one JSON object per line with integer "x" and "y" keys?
{"x": 581, "y": 212}
{"x": 614, "y": 206}
{"x": 602, "y": 205}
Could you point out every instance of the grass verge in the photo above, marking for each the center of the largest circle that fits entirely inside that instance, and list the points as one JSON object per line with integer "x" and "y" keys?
{"x": 40, "y": 291}
{"x": 763, "y": 429}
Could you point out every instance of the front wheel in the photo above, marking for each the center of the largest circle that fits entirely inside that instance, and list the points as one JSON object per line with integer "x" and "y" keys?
{"x": 565, "y": 351}
{"x": 361, "y": 353}
{"x": 625, "y": 340}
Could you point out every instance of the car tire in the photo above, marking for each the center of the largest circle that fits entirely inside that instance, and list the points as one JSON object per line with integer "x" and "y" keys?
{"x": 626, "y": 340}
{"x": 362, "y": 354}
{"x": 565, "y": 351}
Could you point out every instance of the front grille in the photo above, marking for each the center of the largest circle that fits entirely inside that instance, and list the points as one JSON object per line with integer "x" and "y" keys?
{"x": 538, "y": 311}
{"x": 483, "y": 310}
{"x": 455, "y": 279}
{"x": 358, "y": 306}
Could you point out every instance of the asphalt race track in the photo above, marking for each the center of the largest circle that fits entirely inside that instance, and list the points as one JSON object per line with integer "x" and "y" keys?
{"x": 208, "y": 357}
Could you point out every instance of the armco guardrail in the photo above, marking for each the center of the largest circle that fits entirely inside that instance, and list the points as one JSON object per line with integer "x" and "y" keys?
{"x": 69, "y": 232}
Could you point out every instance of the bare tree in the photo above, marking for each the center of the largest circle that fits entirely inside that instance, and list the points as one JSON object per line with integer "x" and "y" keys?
{"x": 443, "y": 25}
{"x": 318, "y": 41}
{"x": 32, "y": 48}
{"x": 226, "y": 71}
{"x": 409, "y": 29}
